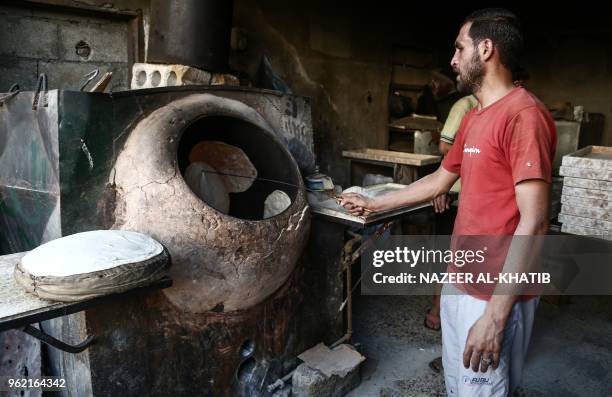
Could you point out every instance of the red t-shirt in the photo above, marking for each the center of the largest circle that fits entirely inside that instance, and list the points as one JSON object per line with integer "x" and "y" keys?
{"x": 509, "y": 141}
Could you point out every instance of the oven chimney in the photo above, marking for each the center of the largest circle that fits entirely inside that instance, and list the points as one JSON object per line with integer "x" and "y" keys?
{"x": 195, "y": 33}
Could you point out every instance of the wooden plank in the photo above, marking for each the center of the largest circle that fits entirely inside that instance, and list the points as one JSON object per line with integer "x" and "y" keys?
{"x": 586, "y": 231}
{"x": 406, "y": 87}
{"x": 585, "y": 222}
{"x": 587, "y": 202}
{"x": 387, "y": 156}
{"x": 412, "y": 123}
{"x": 586, "y": 212}
{"x": 586, "y": 173}
{"x": 587, "y": 193}
{"x": 591, "y": 157}
{"x": 587, "y": 183}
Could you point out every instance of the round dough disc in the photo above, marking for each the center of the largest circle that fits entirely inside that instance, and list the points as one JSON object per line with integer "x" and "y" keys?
{"x": 89, "y": 264}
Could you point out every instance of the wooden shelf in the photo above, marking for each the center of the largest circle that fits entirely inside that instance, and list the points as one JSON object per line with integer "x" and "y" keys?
{"x": 388, "y": 156}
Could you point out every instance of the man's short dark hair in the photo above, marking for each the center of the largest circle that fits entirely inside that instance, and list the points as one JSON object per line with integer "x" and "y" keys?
{"x": 502, "y": 27}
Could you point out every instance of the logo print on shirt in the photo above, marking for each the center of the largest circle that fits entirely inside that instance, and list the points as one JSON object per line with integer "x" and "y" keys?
{"x": 471, "y": 150}
{"x": 477, "y": 381}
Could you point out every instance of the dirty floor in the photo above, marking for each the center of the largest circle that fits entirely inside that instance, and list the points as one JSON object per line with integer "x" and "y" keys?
{"x": 570, "y": 353}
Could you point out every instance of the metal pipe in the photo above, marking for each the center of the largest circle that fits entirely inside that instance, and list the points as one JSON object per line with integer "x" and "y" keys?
{"x": 348, "y": 258}
{"x": 191, "y": 32}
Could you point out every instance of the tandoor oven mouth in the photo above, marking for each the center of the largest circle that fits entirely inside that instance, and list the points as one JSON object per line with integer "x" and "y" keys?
{"x": 272, "y": 162}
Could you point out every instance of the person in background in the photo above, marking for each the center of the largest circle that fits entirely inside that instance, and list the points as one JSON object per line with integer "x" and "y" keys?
{"x": 453, "y": 121}
{"x": 439, "y": 95}
{"x": 444, "y": 89}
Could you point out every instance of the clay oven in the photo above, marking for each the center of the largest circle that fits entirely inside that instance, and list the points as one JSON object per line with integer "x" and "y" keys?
{"x": 221, "y": 261}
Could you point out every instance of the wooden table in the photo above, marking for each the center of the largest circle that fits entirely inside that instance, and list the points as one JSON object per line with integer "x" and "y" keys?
{"x": 404, "y": 167}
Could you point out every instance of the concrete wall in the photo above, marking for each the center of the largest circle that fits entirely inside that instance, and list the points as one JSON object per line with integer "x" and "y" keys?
{"x": 42, "y": 38}
{"x": 575, "y": 67}
{"x": 339, "y": 57}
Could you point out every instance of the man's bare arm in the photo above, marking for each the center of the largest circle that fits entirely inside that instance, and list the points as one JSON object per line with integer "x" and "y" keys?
{"x": 532, "y": 199}
{"x": 486, "y": 335}
{"x": 423, "y": 190}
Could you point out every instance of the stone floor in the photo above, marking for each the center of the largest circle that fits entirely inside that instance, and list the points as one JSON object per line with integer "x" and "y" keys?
{"x": 570, "y": 354}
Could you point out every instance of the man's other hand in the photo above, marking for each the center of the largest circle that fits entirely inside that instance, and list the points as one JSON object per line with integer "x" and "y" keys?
{"x": 441, "y": 203}
{"x": 483, "y": 344}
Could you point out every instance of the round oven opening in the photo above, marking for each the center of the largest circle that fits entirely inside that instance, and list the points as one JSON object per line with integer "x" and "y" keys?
{"x": 237, "y": 167}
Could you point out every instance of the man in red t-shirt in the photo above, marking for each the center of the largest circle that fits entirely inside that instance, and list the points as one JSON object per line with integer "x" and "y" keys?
{"x": 503, "y": 153}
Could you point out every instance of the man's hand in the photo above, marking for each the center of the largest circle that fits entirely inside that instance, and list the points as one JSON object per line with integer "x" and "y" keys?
{"x": 421, "y": 191}
{"x": 441, "y": 203}
{"x": 355, "y": 203}
{"x": 483, "y": 344}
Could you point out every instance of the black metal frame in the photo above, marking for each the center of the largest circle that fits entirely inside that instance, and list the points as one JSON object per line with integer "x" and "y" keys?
{"x": 25, "y": 322}
{"x": 58, "y": 344}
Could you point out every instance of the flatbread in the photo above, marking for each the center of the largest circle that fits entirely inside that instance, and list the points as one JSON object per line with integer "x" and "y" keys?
{"x": 90, "y": 264}
{"x": 232, "y": 164}
{"x": 276, "y": 202}
{"x": 358, "y": 190}
{"x": 205, "y": 182}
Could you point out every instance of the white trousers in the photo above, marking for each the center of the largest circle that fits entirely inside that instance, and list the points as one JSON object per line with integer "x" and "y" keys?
{"x": 459, "y": 312}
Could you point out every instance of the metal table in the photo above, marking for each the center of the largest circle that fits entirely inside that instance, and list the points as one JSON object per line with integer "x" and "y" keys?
{"x": 336, "y": 214}
{"x": 341, "y": 220}
{"x": 20, "y": 309}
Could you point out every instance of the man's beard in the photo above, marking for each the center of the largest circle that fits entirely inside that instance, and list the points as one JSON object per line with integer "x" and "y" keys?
{"x": 470, "y": 80}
